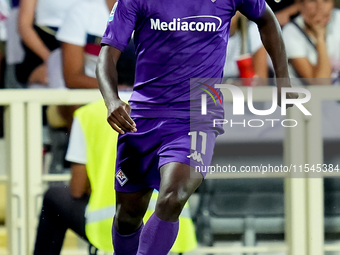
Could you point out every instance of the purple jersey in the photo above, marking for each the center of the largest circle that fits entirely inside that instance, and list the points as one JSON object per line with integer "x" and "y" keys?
{"x": 175, "y": 40}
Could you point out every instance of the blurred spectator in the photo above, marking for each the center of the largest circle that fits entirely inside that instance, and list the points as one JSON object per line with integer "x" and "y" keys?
{"x": 312, "y": 42}
{"x": 80, "y": 36}
{"x": 244, "y": 39}
{"x": 92, "y": 151}
{"x": 37, "y": 23}
{"x": 284, "y": 10}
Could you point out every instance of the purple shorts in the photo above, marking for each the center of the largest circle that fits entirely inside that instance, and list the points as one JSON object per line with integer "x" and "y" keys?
{"x": 156, "y": 143}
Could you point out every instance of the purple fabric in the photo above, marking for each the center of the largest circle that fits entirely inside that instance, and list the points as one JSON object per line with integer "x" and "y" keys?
{"x": 157, "y": 237}
{"x": 175, "y": 41}
{"x": 156, "y": 143}
{"x": 125, "y": 244}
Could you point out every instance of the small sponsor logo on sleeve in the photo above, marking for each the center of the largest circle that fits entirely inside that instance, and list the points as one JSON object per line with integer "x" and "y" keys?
{"x": 121, "y": 177}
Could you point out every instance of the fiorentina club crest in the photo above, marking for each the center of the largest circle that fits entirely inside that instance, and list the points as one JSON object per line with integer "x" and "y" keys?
{"x": 121, "y": 177}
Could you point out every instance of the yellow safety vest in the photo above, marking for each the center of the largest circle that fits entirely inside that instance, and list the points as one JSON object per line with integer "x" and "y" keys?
{"x": 101, "y": 150}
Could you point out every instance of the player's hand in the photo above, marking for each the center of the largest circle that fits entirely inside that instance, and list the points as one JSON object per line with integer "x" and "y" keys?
{"x": 119, "y": 117}
{"x": 284, "y": 83}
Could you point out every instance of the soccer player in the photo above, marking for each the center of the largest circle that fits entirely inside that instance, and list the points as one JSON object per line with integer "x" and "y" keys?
{"x": 175, "y": 40}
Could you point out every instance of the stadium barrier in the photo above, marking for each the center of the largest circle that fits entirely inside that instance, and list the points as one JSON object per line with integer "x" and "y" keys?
{"x": 304, "y": 221}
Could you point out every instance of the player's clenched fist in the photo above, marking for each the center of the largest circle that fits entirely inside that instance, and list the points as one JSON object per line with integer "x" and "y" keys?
{"x": 119, "y": 117}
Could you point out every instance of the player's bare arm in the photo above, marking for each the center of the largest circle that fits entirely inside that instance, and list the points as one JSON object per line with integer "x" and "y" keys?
{"x": 118, "y": 111}
{"x": 271, "y": 37}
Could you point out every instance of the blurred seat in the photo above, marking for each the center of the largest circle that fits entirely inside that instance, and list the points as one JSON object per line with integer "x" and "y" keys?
{"x": 253, "y": 206}
{"x": 332, "y": 205}
{"x": 240, "y": 206}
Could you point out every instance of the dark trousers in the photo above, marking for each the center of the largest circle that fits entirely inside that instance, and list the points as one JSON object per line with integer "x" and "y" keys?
{"x": 60, "y": 211}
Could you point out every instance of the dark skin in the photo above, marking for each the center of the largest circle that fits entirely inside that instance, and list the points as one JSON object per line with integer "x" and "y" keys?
{"x": 176, "y": 187}
{"x": 178, "y": 181}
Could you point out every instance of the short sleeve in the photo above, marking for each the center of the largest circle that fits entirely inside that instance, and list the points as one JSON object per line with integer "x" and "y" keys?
{"x": 122, "y": 22}
{"x": 76, "y": 151}
{"x": 252, "y": 9}
{"x": 294, "y": 41}
{"x": 73, "y": 29}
